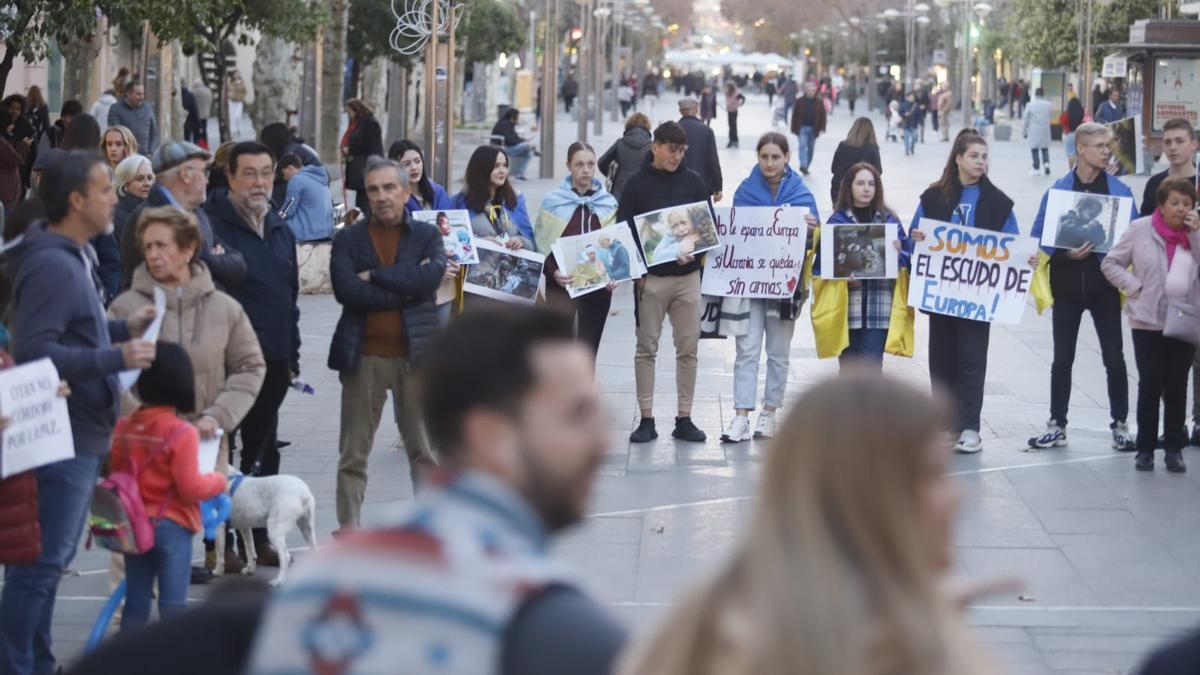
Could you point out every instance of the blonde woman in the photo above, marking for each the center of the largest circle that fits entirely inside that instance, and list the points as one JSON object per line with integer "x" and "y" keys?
{"x": 133, "y": 177}
{"x": 118, "y": 143}
{"x": 842, "y": 571}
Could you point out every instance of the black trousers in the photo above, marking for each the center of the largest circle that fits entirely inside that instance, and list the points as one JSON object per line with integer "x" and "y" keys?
{"x": 1105, "y": 308}
{"x": 1163, "y": 364}
{"x": 590, "y": 311}
{"x": 260, "y": 457}
{"x": 958, "y": 364}
{"x": 733, "y": 135}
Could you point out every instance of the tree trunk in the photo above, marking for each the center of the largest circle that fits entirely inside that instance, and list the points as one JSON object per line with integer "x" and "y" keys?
{"x": 374, "y": 86}
{"x": 333, "y": 60}
{"x": 277, "y": 75}
{"x": 78, "y": 57}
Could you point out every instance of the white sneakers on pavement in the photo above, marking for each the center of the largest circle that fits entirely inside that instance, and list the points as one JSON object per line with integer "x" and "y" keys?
{"x": 737, "y": 431}
{"x": 968, "y": 442}
{"x": 766, "y": 425}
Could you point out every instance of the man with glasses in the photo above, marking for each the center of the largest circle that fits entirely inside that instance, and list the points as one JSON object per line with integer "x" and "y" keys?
{"x": 670, "y": 290}
{"x": 181, "y": 180}
{"x": 1077, "y": 286}
{"x": 244, "y": 219}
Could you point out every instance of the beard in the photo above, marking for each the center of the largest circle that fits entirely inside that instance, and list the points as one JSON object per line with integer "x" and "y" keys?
{"x": 553, "y": 496}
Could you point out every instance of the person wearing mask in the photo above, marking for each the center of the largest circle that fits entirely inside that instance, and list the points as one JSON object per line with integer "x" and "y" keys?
{"x": 161, "y": 451}
{"x": 579, "y": 205}
{"x": 1070, "y": 119}
{"x": 385, "y": 274}
{"x": 117, "y": 143}
{"x": 1164, "y": 252}
{"x": 861, "y": 558}
{"x": 670, "y": 290}
{"x": 512, "y": 405}
{"x": 958, "y": 346}
{"x": 133, "y": 113}
{"x": 733, "y": 100}
{"x": 700, "y": 151}
{"x": 280, "y": 140}
{"x": 363, "y": 139}
{"x": 497, "y": 212}
{"x": 751, "y": 321}
{"x": 1112, "y": 109}
{"x": 56, "y": 303}
{"x": 910, "y": 121}
{"x": 808, "y": 123}
{"x": 307, "y": 207}
{"x": 1037, "y": 131}
{"x": 626, "y": 155}
{"x": 208, "y": 324}
{"x": 180, "y": 181}
{"x": 427, "y": 195}
{"x": 105, "y": 102}
{"x": 244, "y": 220}
{"x": 867, "y": 317}
{"x": 518, "y": 149}
{"x": 860, "y": 146}
{"x": 1078, "y": 285}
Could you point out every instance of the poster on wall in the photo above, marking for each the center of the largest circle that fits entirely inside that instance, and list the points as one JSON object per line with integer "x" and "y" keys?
{"x": 1176, "y": 91}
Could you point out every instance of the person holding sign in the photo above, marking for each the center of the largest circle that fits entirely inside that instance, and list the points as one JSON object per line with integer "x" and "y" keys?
{"x": 1077, "y": 285}
{"x": 58, "y": 312}
{"x": 670, "y": 290}
{"x": 958, "y": 346}
{"x": 427, "y": 195}
{"x": 1162, "y": 285}
{"x": 578, "y": 206}
{"x": 751, "y": 321}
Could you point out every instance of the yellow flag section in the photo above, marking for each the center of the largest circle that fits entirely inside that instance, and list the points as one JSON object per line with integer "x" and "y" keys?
{"x": 1039, "y": 287}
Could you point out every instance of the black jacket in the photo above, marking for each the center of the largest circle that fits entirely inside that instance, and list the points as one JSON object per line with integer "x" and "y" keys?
{"x": 508, "y": 131}
{"x": 652, "y": 189}
{"x": 629, "y": 151}
{"x": 410, "y": 285}
{"x": 847, "y": 156}
{"x": 1181, "y": 657}
{"x": 990, "y": 213}
{"x": 701, "y": 154}
{"x": 108, "y": 264}
{"x": 127, "y": 204}
{"x": 272, "y": 284}
{"x": 366, "y": 140}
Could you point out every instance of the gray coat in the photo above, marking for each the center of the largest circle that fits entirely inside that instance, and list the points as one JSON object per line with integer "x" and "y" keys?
{"x": 628, "y": 152}
{"x": 1037, "y": 123}
{"x": 140, "y": 121}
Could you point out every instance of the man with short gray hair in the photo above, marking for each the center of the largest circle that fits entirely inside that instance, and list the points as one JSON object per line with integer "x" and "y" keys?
{"x": 133, "y": 113}
{"x": 385, "y": 271}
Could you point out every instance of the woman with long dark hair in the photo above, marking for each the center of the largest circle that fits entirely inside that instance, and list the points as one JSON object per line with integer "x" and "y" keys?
{"x": 498, "y": 213}
{"x": 427, "y": 195}
{"x": 860, "y": 146}
{"x": 363, "y": 138}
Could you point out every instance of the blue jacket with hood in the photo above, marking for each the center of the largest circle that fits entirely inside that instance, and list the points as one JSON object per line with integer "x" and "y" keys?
{"x": 308, "y": 206}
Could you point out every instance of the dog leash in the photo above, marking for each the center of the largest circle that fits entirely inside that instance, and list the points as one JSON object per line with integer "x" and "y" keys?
{"x": 234, "y": 484}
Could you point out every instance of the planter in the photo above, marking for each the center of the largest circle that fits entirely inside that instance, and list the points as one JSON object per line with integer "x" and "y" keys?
{"x": 1002, "y": 132}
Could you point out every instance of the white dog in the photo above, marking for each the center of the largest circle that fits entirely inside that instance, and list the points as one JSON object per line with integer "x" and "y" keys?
{"x": 277, "y": 503}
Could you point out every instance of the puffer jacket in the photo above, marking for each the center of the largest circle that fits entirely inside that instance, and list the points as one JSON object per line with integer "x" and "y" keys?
{"x": 213, "y": 328}
{"x": 1145, "y": 285}
{"x": 629, "y": 151}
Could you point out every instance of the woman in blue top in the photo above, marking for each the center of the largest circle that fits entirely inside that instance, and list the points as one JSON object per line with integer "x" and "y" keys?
{"x": 771, "y": 183}
{"x": 957, "y": 346}
{"x": 427, "y": 196}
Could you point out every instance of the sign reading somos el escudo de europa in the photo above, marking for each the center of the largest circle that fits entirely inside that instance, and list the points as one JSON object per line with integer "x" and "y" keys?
{"x": 762, "y": 252}
{"x": 971, "y": 273}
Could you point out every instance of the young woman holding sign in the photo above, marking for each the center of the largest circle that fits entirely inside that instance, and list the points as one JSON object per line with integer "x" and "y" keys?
{"x": 771, "y": 183}
{"x": 958, "y": 347}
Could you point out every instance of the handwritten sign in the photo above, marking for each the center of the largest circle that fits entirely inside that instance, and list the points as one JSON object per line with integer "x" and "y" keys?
{"x": 39, "y": 428}
{"x": 762, "y": 255}
{"x": 971, "y": 273}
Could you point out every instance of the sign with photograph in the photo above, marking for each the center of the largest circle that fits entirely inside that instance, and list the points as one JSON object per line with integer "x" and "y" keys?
{"x": 455, "y": 226}
{"x": 971, "y": 273}
{"x": 762, "y": 254}
{"x": 1077, "y": 218}
{"x": 859, "y": 251}
{"x": 505, "y": 274}
{"x": 1127, "y": 156}
{"x": 1176, "y": 90}
{"x": 668, "y": 233}
{"x": 598, "y": 258}
{"x": 39, "y": 428}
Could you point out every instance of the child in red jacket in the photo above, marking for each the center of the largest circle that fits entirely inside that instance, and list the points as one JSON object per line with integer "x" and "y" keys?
{"x": 164, "y": 448}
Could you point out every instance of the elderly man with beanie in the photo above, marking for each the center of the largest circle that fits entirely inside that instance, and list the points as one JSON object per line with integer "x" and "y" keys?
{"x": 701, "y": 148}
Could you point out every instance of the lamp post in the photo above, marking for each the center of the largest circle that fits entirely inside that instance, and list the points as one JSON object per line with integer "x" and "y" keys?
{"x": 551, "y": 51}
{"x": 982, "y": 10}
{"x": 582, "y": 63}
{"x": 601, "y": 14}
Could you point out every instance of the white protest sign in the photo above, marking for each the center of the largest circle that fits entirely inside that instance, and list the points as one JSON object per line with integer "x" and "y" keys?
{"x": 971, "y": 273}
{"x": 129, "y": 377}
{"x": 762, "y": 253}
{"x": 39, "y": 429}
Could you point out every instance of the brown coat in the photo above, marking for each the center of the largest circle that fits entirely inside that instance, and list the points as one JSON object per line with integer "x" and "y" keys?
{"x": 215, "y": 331}
{"x": 800, "y": 119}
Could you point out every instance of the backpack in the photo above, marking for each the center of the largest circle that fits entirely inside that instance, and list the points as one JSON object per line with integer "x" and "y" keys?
{"x": 118, "y": 520}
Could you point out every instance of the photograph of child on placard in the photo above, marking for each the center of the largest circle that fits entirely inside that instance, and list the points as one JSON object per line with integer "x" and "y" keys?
{"x": 505, "y": 274}
{"x": 595, "y": 259}
{"x": 668, "y": 233}
{"x": 455, "y": 226}
{"x": 1077, "y": 218}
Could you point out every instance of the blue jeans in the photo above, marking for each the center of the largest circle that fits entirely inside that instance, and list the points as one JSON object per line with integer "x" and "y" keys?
{"x": 910, "y": 140}
{"x": 519, "y": 155}
{"x": 866, "y": 347}
{"x": 171, "y": 562}
{"x": 64, "y": 498}
{"x": 806, "y": 143}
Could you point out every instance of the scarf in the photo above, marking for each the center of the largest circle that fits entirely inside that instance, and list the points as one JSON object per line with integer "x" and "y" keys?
{"x": 560, "y": 205}
{"x": 755, "y": 191}
{"x": 1170, "y": 235}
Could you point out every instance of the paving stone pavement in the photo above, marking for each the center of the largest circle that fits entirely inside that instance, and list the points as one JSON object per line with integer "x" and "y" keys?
{"x": 1109, "y": 555}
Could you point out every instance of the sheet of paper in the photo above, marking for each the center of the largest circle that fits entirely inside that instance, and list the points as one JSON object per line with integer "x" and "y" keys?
{"x": 129, "y": 377}
{"x": 39, "y": 428}
{"x": 207, "y": 456}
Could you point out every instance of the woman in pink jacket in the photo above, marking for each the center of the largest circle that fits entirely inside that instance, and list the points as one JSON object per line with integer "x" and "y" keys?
{"x": 1164, "y": 250}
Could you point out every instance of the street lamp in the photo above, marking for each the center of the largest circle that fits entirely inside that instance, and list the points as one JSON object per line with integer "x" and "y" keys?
{"x": 982, "y": 10}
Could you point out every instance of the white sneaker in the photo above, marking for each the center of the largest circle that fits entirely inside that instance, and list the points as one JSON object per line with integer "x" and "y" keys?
{"x": 766, "y": 425}
{"x": 969, "y": 442}
{"x": 1034, "y": 172}
{"x": 737, "y": 431}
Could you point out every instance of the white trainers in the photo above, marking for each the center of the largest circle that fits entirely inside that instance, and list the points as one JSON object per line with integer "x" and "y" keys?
{"x": 1035, "y": 172}
{"x": 1055, "y": 437}
{"x": 737, "y": 431}
{"x": 765, "y": 428}
{"x": 969, "y": 442}
{"x": 1122, "y": 440}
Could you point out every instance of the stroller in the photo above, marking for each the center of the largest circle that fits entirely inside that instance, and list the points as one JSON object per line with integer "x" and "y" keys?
{"x": 894, "y": 120}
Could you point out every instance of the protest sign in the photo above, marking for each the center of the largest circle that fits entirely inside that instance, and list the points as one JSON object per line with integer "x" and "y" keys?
{"x": 505, "y": 274}
{"x": 457, "y": 236}
{"x": 597, "y": 258}
{"x": 666, "y": 233}
{"x": 1127, "y": 156}
{"x": 859, "y": 251}
{"x": 971, "y": 273}
{"x": 129, "y": 377}
{"x": 39, "y": 429}
{"x": 762, "y": 253}
{"x": 1077, "y": 218}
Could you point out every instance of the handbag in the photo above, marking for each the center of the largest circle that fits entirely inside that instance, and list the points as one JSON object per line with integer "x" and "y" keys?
{"x": 1182, "y": 322}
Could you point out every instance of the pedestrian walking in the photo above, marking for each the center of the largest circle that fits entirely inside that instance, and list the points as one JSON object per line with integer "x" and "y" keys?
{"x": 708, "y": 105}
{"x": 945, "y": 104}
{"x": 626, "y": 155}
{"x": 1037, "y": 131}
{"x": 204, "y": 100}
{"x": 625, "y": 97}
{"x": 700, "y": 148}
{"x": 808, "y": 123}
{"x": 363, "y": 139}
{"x": 1077, "y": 284}
{"x": 851, "y": 92}
{"x": 570, "y": 89}
{"x": 733, "y": 101}
{"x": 788, "y": 92}
{"x": 860, "y": 146}
{"x": 910, "y": 121}
{"x": 1071, "y": 118}
{"x": 1164, "y": 251}
{"x": 132, "y": 113}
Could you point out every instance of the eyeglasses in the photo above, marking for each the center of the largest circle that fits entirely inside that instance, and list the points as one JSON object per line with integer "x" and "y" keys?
{"x": 264, "y": 175}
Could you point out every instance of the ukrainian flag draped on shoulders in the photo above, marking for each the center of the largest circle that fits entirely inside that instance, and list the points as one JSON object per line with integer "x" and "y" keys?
{"x": 559, "y": 206}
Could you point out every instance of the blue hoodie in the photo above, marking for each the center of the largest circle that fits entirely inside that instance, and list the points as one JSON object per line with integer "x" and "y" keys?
{"x": 57, "y": 313}
{"x": 308, "y": 206}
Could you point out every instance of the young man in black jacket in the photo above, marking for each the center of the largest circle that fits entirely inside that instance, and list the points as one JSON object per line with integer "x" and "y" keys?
{"x": 670, "y": 290}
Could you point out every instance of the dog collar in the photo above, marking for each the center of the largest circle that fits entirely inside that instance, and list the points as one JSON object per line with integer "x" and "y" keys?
{"x": 233, "y": 485}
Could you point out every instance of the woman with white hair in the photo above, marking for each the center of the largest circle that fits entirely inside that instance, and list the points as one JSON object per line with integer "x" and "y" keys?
{"x": 133, "y": 178}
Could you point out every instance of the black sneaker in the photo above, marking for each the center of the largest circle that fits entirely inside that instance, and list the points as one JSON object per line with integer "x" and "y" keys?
{"x": 1144, "y": 461}
{"x": 686, "y": 431}
{"x": 645, "y": 431}
{"x": 1174, "y": 462}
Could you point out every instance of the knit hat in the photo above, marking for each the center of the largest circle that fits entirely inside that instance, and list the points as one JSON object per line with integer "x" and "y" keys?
{"x": 172, "y": 154}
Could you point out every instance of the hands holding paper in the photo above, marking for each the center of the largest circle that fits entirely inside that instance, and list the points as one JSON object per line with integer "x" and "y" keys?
{"x": 141, "y": 320}
{"x": 208, "y": 427}
{"x": 1081, "y": 252}
{"x": 138, "y": 353}
{"x": 685, "y": 252}
{"x": 64, "y": 390}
